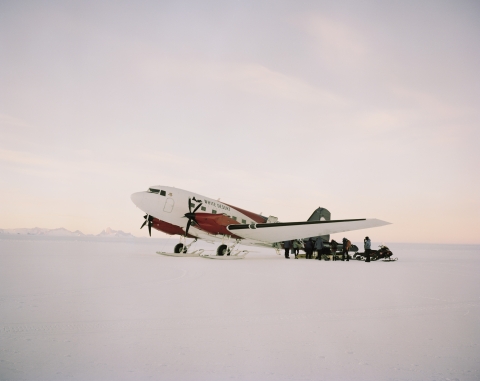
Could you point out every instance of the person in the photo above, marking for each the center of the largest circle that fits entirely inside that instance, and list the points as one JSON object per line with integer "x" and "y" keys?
{"x": 296, "y": 248}
{"x": 319, "y": 247}
{"x": 346, "y": 247}
{"x": 308, "y": 248}
{"x": 287, "y": 246}
{"x": 367, "y": 244}
{"x": 333, "y": 249}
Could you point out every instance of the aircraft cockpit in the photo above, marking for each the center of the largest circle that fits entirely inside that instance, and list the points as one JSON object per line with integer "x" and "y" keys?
{"x": 157, "y": 191}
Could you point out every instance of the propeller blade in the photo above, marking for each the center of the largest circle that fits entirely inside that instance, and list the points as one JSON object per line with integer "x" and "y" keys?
{"x": 145, "y": 222}
{"x": 191, "y": 215}
{"x": 198, "y": 206}
{"x": 150, "y": 229}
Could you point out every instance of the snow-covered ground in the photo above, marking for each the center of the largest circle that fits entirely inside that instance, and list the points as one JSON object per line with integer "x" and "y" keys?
{"x": 98, "y": 310}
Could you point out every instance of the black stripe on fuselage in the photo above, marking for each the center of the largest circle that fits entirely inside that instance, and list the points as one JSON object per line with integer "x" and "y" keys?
{"x": 278, "y": 224}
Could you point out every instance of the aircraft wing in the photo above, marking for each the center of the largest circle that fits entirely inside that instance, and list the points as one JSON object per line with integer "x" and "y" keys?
{"x": 285, "y": 231}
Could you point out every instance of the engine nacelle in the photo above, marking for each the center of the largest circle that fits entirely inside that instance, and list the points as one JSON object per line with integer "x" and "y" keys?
{"x": 215, "y": 223}
{"x": 165, "y": 227}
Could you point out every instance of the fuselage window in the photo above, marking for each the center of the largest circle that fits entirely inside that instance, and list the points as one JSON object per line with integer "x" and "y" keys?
{"x": 235, "y": 218}
{"x": 152, "y": 190}
{"x": 203, "y": 208}
{"x": 163, "y": 193}
{"x": 244, "y": 222}
{"x": 214, "y": 211}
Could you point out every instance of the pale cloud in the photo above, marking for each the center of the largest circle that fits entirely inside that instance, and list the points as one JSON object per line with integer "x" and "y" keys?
{"x": 260, "y": 80}
{"x": 428, "y": 103}
{"x": 41, "y": 165}
{"x": 430, "y": 115}
{"x": 24, "y": 158}
{"x": 177, "y": 165}
{"x": 379, "y": 121}
{"x": 337, "y": 42}
{"x": 165, "y": 158}
{"x": 10, "y": 121}
{"x": 251, "y": 78}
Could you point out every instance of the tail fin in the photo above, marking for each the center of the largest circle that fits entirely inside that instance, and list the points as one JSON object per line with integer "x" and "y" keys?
{"x": 321, "y": 214}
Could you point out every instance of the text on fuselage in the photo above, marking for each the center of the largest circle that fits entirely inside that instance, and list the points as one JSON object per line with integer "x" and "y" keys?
{"x": 221, "y": 206}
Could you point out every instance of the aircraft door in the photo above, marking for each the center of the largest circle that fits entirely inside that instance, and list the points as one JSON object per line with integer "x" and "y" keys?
{"x": 169, "y": 205}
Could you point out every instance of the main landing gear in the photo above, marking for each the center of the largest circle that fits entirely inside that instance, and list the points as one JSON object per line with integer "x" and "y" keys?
{"x": 229, "y": 250}
{"x": 226, "y": 250}
{"x": 180, "y": 248}
{"x": 183, "y": 248}
{"x": 222, "y": 250}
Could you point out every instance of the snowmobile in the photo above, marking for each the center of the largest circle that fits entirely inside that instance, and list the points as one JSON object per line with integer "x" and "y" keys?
{"x": 383, "y": 253}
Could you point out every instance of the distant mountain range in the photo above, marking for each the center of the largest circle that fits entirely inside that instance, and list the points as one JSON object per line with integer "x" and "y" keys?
{"x": 113, "y": 233}
{"x": 62, "y": 232}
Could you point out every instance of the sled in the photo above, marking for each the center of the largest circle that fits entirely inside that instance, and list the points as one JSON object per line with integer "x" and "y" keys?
{"x": 390, "y": 259}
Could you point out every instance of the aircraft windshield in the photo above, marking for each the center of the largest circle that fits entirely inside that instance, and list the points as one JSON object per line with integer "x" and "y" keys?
{"x": 156, "y": 191}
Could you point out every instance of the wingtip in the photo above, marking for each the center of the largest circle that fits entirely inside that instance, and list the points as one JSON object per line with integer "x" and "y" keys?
{"x": 381, "y": 222}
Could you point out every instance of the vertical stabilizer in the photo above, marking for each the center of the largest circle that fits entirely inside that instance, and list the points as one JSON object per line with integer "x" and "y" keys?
{"x": 321, "y": 214}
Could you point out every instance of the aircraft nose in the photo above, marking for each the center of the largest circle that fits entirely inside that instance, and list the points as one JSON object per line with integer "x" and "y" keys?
{"x": 138, "y": 199}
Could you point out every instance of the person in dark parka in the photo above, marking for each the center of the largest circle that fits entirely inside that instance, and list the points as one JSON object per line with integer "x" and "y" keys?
{"x": 287, "y": 245}
{"x": 308, "y": 248}
{"x": 346, "y": 247}
{"x": 319, "y": 247}
{"x": 367, "y": 244}
{"x": 296, "y": 248}
{"x": 333, "y": 249}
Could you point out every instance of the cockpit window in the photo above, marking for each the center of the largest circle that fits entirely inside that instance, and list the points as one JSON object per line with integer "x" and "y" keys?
{"x": 153, "y": 190}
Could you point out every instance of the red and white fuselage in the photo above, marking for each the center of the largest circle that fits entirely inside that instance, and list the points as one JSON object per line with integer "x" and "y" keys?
{"x": 169, "y": 205}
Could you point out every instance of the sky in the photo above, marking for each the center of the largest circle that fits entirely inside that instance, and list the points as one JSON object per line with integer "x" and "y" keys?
{"x": 369, "y": 109}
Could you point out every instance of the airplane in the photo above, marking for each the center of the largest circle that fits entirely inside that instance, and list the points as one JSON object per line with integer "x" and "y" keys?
{"x": 190, "y": 215}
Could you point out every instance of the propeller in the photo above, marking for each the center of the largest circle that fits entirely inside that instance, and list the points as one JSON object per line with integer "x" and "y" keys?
{"x": 149, "y": 220}
{"x": 191, "y": 215}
